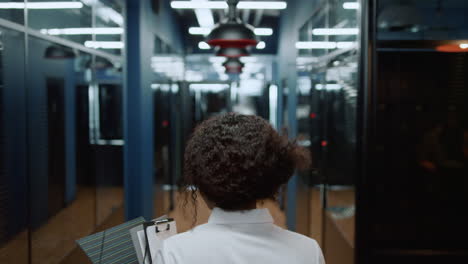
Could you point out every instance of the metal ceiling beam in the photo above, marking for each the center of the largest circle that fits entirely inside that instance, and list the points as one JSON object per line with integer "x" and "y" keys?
{"x": 258, "y": 17}
{"x": 246, "y": 15}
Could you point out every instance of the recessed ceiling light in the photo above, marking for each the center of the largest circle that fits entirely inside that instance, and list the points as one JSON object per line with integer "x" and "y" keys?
{"x": 203, "y": 45}
{"x": 223, "y": 5}
{"x": 261, "y": 45}
{"x": 351, "y": 5}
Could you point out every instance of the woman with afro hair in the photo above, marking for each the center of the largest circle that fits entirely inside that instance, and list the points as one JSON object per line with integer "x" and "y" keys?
{"x": 234, "y": 161}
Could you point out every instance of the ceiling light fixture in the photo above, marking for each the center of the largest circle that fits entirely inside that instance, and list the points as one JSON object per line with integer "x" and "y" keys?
{"x": 83, "y": 31}
{"x": 232, "y": 33}
{"x": 199, "y": 31}
{"x": 263, "y": 31}
{"x": 42, "y": 5}
{"x": 262, "y": 5}
{"x": 315, "y": 45}
{"x": 345, "y": 44}
{"x": 324, "y": 45}
{"x": 328, "y": 86}
{"x": 233, "y": 65}
{"x": 110, "y": 15}
{"x": 104, "y": 44}
{"x": 351, "y": 5}
{"x": 335, "y": 31}
{"x": 204, "y": 16}
{"x": 261, "y": 45}
{"x": 205, "y": 31}
{"x": 208, "y": 87}
{"x": 278, "y": 5}
{"x": 203, "y": 45}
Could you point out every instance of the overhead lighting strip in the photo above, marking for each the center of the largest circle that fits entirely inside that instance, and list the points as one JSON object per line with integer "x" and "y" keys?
{"x": 204, "y": 16}
{"x": 83, "y": 31}
{"x": 223, "y": 5}
{"x": 324, "y": 45}
{"x": 41, "y": 5}
{"x": 334, "y": 31}
{"x": 261, "y": 45}
{"x": 351, "y": 5}
{"x": 203, "y": 45}
{"x": 104, "y": 44}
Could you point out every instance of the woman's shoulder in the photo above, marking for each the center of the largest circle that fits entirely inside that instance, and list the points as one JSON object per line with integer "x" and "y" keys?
{"x": 294, "y": 237}
{"x": 189, "y": 236}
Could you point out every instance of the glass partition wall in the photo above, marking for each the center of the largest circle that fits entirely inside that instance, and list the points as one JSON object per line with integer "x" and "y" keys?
{"x": 416, "y": 157}
{"x": 326, "y": 113}
{"x": 61, "y": 127}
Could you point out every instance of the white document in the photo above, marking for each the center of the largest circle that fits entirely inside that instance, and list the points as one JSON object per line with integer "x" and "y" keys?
{"x": 165, "y": 230}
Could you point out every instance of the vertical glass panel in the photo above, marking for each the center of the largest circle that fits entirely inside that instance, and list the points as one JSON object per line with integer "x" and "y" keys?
{"x": 62, "y": 201}
{"x": 106, "y": 106}
{"x": 326, "y": 114}
{"x": 163, "y": 96}
{"x": 170, "y": 97}
{"x": 12, "y": 10}
{"x": 13, "y": 150}
{"x": 339, "y": 88}
{"x": 71, "y": 20}
{"x": 421, "y": 125}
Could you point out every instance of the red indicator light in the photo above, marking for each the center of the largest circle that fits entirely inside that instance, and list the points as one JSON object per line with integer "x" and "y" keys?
{"x": 453, "y": 48}
{"x": 165, "y": 123}
{"x": 313, "y": 115}
{"x": 324, "y": 143}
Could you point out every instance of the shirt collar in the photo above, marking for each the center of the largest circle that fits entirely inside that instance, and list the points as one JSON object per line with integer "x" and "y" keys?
{"x": 255, "y": 216}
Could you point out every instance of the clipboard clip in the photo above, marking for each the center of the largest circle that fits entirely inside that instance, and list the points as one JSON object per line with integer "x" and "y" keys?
{"x": 163, "y": 221}
{"x": 159, "y": 222}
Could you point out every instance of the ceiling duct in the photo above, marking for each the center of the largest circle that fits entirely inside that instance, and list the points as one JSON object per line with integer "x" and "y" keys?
{"x": 232, "y": 33}
{"x": 233, "y": 65}
{"x": 232, "y": 52}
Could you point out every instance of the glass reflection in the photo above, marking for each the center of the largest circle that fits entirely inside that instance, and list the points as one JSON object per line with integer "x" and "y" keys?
{"x": 12, "y": 10}
{"x": 106, "y": 125}
{"x": 326, "y": 114}
{"x": 57, "y": 195}
{"x": 14, "y": 244}
{"x": 68, "y": 20}
{"x": 420, "y": 126}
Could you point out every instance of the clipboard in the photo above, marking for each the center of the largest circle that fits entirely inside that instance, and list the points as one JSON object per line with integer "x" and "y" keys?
{"x": 147, "y": 238}
{"x": 127, "y": 243}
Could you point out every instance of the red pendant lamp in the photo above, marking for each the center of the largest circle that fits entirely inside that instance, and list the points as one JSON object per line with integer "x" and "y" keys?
{"x": 233, "y": 65}
{"x": 232, "y": 52}
{"x": 232, "y": 33}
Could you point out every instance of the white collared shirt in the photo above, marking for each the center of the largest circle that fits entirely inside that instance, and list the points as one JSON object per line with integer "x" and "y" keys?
{"x": 238, "y": 238}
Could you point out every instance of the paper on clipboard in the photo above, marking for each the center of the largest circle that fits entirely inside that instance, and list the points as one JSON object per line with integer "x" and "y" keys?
{"x": 155, "y": 239}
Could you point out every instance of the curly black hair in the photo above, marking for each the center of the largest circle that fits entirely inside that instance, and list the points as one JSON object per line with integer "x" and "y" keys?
{"x": 235, "y": 160}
